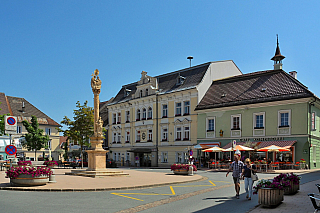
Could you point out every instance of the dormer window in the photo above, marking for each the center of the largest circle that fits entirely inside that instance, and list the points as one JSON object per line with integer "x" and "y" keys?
{"x": 180, "y": 80}
{"x": 127, "y": 92}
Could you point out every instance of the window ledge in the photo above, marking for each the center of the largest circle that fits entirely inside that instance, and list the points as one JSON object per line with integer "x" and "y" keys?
{"x": 178, "y": 115}
{"x": 210, "y": 130}
{"x": 284, "y": 126}
{"x": 258, "y": 127}
{"x": 236, "y": 129}
{"x": 164, "y": 116}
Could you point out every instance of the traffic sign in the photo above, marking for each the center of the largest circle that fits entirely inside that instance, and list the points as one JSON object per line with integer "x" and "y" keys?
{"x": 10, "y": 123}
{"x": 11, "y": 157}
{"x": 11, "y": 150}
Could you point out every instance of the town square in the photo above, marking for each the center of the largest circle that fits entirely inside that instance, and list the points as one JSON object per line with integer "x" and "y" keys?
{"x": 137, "y": 106}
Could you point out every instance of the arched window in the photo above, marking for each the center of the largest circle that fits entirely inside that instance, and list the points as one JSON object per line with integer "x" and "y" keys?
{"x": 147, "y": 92}
{"x": 149, "y": 113}
{"x": 138, "y": 115}
{"x": 144, "y": 114}
{"x": 140, "y": 93}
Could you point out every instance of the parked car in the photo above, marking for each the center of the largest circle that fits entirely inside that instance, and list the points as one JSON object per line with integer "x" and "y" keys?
{"x": 111, "y": 163}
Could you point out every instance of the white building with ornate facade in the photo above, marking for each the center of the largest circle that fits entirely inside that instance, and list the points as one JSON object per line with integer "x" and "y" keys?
{"x": 152, "y": 121}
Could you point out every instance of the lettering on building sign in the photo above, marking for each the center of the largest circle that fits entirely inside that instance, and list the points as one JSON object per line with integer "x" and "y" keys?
{"x": 262, "y": 139}
{"x": 40, "y": 120}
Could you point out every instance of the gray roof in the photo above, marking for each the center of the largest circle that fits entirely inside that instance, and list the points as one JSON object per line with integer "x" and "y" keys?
{"x": 263, "y": 86}
{"x": 15, "y": 105}
{"x": 168, "y": 82}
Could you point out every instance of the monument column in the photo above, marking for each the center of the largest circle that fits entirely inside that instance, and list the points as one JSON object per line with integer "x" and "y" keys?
{"x": 96, "y": 155}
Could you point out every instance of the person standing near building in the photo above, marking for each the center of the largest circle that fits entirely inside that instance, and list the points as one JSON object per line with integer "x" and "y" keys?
{"x": 246, "y": 173}
{"x": 236, "y": 167}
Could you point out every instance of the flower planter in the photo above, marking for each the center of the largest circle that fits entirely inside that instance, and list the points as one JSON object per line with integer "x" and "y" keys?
{"x": 28, "y": 180}
{"x": 270, "y": 197}
{"x": 180, "y": 172}
{"x": 293, "y": 189}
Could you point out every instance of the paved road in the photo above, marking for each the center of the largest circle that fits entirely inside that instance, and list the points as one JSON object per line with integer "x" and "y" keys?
{"x": 214, "y": 193}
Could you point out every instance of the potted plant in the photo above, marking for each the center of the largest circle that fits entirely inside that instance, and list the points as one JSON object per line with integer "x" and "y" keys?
{"x": 293, "y": 179}
{"x": 182, "y": 169}
{"x": 24, "y": 163}
{"x": 270, "y": 191}
{"x": 51, "y": 163}
{"x": 28, "y": 176}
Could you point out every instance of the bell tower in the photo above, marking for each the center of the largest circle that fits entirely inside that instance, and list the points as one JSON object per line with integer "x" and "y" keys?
{"x": 277, "y": 58}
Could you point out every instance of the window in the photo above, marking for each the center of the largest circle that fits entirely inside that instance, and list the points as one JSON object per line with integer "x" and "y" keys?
{"x": 138, "y": 136}
{"x": 48, "y": 131}
{"x": 128, "y": 156}
{"x": 127, "y": 116}
{"x": 164, "y": 157}
{"x": 284, "y": 118}
{"x": 178, "y": 138}
{"x": 210, "y": 124}
{"x": 179, "y": 157}
{"x": 114, "y": 118}
{"x": 313, "y": 121}
{"x": 114, "y": 137}
{"x": 186, "y": 107}
{"x": 140, "y": 93}
{"x": 118, "y": 156}
{"x": 127, "y": 137}
{"x": 235, "y": 122}
{"x": 178, "y": 109}
{"x": 147, "y": 92}
{"x": 144, "y": 114}
{"x": 165, "y": 111}
{"x": 119, "y": 118}
{"x": 119, "y": 137}
{"x": 49, "y": 144}
{"x": 115, "y": 156}
{"x": 19, "y": 129}
{"x": 259, "y": 120}
{"x": 164, "y": 134}
{"x": 149, "y": 113}
{"x": 150, "y": 135}
{"x": 138, "y": 115}
{"x": 186, "y": 133}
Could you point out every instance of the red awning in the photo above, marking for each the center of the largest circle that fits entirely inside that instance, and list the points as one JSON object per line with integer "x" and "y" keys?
{"x": 263, "y": 144}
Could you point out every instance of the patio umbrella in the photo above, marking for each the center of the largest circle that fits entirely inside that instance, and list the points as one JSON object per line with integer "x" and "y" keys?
{"x": 273, "y": 148}
{"x": 214, "y": 149}
{"x": 238, "y": 147}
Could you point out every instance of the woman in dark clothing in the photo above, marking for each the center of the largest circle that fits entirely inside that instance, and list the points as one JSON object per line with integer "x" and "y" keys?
{"x": 246, "y": 173}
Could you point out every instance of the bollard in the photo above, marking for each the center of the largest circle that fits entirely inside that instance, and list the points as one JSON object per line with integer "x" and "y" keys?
{"x": 52, "y": 178}
{"x": 190, "y": 172}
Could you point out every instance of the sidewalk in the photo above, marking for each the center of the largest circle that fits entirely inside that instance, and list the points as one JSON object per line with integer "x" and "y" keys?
{"x": 135, "y": 179}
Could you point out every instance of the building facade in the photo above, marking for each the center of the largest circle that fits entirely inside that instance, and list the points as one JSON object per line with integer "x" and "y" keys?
{"x": 152, "y": 122}
{"x": 21, "y": 108}
{"x": 265, "y": 108}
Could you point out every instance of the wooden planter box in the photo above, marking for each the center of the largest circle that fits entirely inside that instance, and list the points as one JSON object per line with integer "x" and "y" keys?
{"x": 28, "y": 180}
{"x": 180, "y": 172}
{"x": 293, "y": 189}
{"x": 270, "y": 197}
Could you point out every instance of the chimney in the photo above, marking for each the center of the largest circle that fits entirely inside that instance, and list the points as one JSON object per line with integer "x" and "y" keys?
{"x": 293, "y": 74}
{"x": 23, "y": 107}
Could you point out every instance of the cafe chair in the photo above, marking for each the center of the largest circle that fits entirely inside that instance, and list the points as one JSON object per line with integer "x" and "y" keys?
{"x": 314, "y": 201}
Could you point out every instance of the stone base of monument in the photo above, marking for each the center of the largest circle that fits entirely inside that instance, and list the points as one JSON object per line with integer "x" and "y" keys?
{"x": 97, "y": 173}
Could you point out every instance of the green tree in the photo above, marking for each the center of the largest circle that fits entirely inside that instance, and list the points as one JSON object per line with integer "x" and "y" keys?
{"x": 81, "y": 128}
{"x": 2, "y": 132}
{"x": 34, "y": 139}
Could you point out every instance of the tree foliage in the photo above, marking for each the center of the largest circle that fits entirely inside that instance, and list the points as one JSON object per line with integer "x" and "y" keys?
{"x": 34, "y": 139}
{"x": 80, "y": 129}
{"x": 2, "y": 132}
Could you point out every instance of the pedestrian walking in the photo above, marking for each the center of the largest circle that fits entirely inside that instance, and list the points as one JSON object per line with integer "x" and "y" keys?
{"x": 246, "y": 173}
{"x": 236, "y": 167}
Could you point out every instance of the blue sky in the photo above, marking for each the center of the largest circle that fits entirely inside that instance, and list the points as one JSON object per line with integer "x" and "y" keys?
{"x": 49, "y": 49}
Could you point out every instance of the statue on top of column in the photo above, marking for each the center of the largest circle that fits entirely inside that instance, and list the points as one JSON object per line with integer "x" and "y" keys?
{"x": 95, "y": 81}
{"x": 99, "y": 128}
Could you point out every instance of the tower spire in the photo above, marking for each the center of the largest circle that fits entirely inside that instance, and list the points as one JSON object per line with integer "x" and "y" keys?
{"x": 277, "y": 58}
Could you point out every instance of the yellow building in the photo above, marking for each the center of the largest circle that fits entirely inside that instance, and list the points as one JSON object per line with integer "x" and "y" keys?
{"x": 152, "y": 121}
{"x": 23, "y": 110}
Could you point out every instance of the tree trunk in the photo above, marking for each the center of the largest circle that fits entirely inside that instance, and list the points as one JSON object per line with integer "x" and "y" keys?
{"x": 81, "y": 156}
{"x": 35, "y": 155}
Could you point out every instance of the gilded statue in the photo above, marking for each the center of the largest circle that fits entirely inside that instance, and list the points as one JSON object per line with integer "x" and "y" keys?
{"x": 95, "y": 80}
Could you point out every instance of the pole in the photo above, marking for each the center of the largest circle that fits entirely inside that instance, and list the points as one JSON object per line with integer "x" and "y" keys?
{"x": 157, "y": 132}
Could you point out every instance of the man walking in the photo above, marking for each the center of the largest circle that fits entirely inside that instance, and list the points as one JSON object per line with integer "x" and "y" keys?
{"x": 236, "y": 167}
